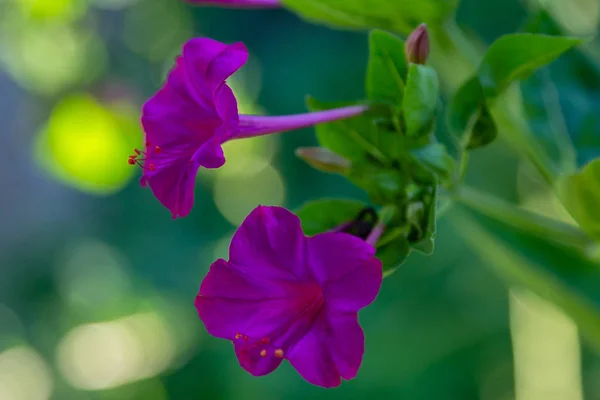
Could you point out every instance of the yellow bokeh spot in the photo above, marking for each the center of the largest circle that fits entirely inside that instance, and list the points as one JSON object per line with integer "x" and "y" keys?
{"x": 53, "y": 9}
{"x": 47, "y": 58}
{"x": 110, "y": 354}
{"x": 236, "y": 195}
{"x": 86, "y": 146}
{"x": 24, "y": 375}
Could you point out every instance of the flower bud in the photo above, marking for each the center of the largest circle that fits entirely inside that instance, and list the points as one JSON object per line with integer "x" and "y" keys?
{"x": 417, "y": 46}
{"x": 323, "y": 159}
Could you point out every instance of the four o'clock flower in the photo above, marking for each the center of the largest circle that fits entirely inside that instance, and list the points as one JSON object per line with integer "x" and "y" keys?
{"x": 240, "y": 3}
{"x": 194, "y": 113}
{"x": 283, "y": 295}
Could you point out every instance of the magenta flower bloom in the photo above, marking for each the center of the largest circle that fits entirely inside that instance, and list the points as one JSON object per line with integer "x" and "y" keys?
{"x": 194, "y": 113}
{"x": 283, "y": 295}
{"x": 240, "y": 3}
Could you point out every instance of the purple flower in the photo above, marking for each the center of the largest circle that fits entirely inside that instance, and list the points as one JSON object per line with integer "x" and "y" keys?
{"x": 194, "y": 113}
{"x": 240, "y": 3}
{"x": 283, "y": 295}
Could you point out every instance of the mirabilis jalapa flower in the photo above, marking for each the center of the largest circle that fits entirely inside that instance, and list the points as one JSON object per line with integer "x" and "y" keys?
{"x": 283, "y": 295}
{"x": 240, "y": 3}
{"x": 194, "y": 113}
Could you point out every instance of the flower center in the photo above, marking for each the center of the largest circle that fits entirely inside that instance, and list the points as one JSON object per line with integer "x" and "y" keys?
{"x": 275, "y": 344}
{"x": 155, "y": 157}
{"x": 139, "y": 157}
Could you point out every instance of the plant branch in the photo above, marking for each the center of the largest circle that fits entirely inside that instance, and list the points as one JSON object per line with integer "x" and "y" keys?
{"x": 507, "y": 213}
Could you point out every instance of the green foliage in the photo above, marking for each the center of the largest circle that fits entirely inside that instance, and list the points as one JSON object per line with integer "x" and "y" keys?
{"x": 516, "y": 56}
{"x": 468, "y": 117}
{"x": 393, "y": 155}
{"x": 580, "y": 194}
{"x": 510, "y": 58}
{"x": 420, "y": 100}
{"x": 436, "y": 158}
{"x": 397, "y": 15}
{"x": 554, "y": 272}
{"x": 387, "y": 69}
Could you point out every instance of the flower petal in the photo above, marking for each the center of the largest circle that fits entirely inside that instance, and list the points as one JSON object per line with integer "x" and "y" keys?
{"x": 253, "y": 361}
{"x": 210, "y": 154}
{"x": 357, "y": 289}
{"x": 270, "y": 244}
{"x": 173, "y": 186}
{"x": 208, "y": 63}
{"x": 199, "y": 53}
{"x": 227, "y": 62}
{"x": 226, "y": 105}
{"x": 312, "y": 358}
{"x": 333, "y": 255}
{"x": 176, "y": 103}
{"x": 231, "y": 302}
{"x": 346, "y": 343}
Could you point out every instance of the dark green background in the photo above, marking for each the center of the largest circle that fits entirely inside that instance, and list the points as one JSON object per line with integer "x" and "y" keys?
{"x": 439, "y": 329}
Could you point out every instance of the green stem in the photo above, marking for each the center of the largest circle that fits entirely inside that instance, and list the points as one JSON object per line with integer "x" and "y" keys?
{"x": 510, "y": 214}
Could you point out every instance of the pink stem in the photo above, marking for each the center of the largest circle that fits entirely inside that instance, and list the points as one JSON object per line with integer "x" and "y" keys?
{"x": 375, "y": 234}
{"x": 240, "y": 3}
{"x": 255, "y": 125}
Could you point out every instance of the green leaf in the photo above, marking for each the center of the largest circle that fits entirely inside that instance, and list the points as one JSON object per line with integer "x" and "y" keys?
{"x": 516, "y": 56}
{"x": 580, "y": 194}
{"x": 554, "y": 272}
{"x": 394, "y": 15}
{"x": 436, "y": 158}
{"x": 353, "y": 138}
{"x": 386, "y": 69}
{"x": 394, "y": 252}
{"x": 484, "y": 131}
{"x": 420, "y": 100}
{"x": 468, "y": 118}
{"x": 422, "y": 217}
{"x": 326, "y": 214}
{"x": 383, "y": 184}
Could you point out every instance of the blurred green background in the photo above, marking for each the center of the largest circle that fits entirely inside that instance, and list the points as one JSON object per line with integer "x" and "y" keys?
{"x": 97, "y": 282}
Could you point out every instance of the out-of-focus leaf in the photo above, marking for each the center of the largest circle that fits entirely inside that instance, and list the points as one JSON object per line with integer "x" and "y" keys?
{"x": 510, "y": 58}
{"x": 580, "y": 194}
{"x": 545, "y": 118}
{"x": 386, "y": 70}
{"x": 516, "y": 56}
{"x": 396, "y": 15}
{"x": 420, "y": 99}
{"x": 576, "y": 87}
{"x": 559, "y": 274}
